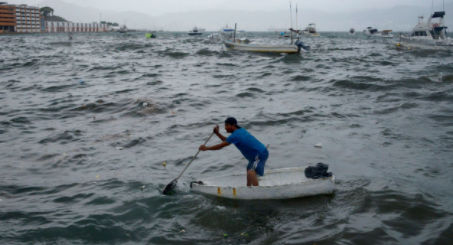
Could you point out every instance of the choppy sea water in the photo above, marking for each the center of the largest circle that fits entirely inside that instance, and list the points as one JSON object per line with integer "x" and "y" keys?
{"x": 74, "y": 155}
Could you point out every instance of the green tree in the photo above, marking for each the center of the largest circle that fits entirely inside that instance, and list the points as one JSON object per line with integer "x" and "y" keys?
{"x": 46, "y": 11}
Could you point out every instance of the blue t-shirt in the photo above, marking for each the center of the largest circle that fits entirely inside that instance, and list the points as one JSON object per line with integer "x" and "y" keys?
{"x": 249, "y": 146}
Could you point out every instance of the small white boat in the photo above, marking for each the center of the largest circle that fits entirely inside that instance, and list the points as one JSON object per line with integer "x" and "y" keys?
{"x": 385, "y": 34}
{"x": 428, "y": 35}
{"x": 215, "y": 37}
{"x": 123, "y": 29}
{"x": 352, "y": 32}
{"x": 310, "y": 31}
{"x": 282, "y": 183}
{"x": 265, "y": 48}
{"x": 227, "y": 33}
{"x": 195, "y": 32}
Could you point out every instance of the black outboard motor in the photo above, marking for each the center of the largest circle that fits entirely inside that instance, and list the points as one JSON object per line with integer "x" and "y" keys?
{"x": 318, "y": 171}
{"x": 300, "y": 44}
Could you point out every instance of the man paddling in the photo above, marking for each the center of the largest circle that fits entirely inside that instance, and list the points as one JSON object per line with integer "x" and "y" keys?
{"x": 253, "y": 150}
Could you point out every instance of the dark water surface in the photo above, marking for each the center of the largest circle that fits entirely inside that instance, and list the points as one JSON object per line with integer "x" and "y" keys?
{"x": 384, "y": 117}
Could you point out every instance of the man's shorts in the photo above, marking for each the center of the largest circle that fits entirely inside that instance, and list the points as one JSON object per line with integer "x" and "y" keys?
{"x": 258, "y": 163}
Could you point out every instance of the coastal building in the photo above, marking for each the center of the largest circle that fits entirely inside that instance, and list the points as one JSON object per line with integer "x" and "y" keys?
{"x": 59, "y": 26}
{"x": 28, "y": 19}
{"x": 20, "y": 18}
{"x": 7, "y": 18}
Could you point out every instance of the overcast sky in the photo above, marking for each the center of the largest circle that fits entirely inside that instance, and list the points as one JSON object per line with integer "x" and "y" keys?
{"x": 158, "y": 7}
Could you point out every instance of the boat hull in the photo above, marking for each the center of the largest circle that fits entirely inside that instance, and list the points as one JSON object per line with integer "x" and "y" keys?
{"x": 311, "y": 34}
{"x": 285, "y": 183}
{"x": 423, "y": 44}
{"x": 262, "y": 48}
{"x": 195, "y": 33}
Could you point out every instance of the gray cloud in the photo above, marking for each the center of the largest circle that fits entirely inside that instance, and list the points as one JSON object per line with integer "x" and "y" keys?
{"x": 159, "y": 7}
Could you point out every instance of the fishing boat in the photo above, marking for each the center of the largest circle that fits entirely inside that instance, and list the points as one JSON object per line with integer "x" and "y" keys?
{"x": 385, "y": 34}
{"x": 283, "y": 34}
{"x": 352, "y": 32}
{"x": 310, "y": 31}
{"x": 123, "y": 29}
{"x": 228, "y": 33}
{"x": 429, "y": 34}
{"x": 370, "y": 31}
{"x": 264, "y": 48}
{"x": 195, "y": 32}
{"x": 285, "y": 183}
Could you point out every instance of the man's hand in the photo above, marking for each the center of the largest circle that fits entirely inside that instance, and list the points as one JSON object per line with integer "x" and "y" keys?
{"x": 203, "y": 148}
{"x": 216, "y": 129}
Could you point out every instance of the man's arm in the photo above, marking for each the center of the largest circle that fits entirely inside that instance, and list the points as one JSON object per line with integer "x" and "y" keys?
{"x": 214, "y": 147}
{"x": 216, "y": 131}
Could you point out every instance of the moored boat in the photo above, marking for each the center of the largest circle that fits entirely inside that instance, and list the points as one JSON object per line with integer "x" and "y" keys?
{"x": 283, "y": 183}
{"x": 195, "y": 32}
{"x": 370, "y": 31}
{"x": 149, "y": 35}
{"x": 428, "y": 35}
{"x": 123, "y": 29}
{"x": 283, "y": 34}
{"x": 385, "y": 34}
{"x": 310, "y": 31}
{"x": 264, "y": 48}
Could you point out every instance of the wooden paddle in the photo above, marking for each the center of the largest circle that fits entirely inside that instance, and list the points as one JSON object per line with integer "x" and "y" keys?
{"x": 173, "y": 184}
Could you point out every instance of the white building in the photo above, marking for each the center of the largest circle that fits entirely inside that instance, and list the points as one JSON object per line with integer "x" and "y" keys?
{"x": 28, "y": 19}
{"x": 59, "y": 26}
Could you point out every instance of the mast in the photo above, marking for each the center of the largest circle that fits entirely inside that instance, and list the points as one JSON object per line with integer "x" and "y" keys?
{"x": 296, "y": 25}
{"x": 234, "y": 38}
{"x": 296, "y": 17}
{"x": 291, "y": 16}
{"x": 432, "y": 6}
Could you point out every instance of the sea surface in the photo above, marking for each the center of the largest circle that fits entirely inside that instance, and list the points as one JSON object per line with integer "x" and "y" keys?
{"x": 86, "y": 125}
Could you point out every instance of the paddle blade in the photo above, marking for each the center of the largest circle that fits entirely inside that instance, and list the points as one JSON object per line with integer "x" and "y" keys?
{"x": 169, "y": 188}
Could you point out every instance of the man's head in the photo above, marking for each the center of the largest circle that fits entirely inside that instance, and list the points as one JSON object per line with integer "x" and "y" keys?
{"x": 231, "y": 124}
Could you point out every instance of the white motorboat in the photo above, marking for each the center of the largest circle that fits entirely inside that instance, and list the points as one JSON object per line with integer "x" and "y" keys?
{"x": 123, "y": 29}
{"x": 227, "y": 33}
{"x": 195, "y": 32}
{"x": 385, "y": 34}
{"x": 283, "y": 183}
{"x": 310, "y": 31}
{"x": 352, "y": 32}
{"x": 428, "y": 35}
{"x": 214, "y": 37}
{"x": 370, "y": 31}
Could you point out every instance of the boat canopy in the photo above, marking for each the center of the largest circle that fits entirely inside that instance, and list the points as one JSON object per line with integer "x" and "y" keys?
{"x": 438, "y": 14}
